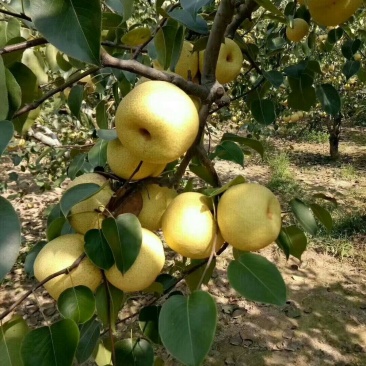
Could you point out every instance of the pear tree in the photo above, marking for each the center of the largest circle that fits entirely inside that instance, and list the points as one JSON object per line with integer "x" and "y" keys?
{"x": 135, "y": 86}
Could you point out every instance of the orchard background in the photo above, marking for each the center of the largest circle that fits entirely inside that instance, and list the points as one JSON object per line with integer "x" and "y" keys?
{"x": 292, "y": 120}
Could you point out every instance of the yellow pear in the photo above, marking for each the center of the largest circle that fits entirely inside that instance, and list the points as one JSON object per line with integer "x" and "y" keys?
{"x": 300, "y": 29}
{"x": 145, "y": 269}
{"x": 249, "y": 216}
{"x": 189, "y": 226}
{"x": 157, "y": 122}
{"x": 86, "y": 215}
{"x": 332, "y": 12}
{"x": 155, "y": 200}
{"x": 229, "y": 62}
{"x": 59, "y": 254}
{"x": 187, "y": 65}
{"x": 123, "y": 163}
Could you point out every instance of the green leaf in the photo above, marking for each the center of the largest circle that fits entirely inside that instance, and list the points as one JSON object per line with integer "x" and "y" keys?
{"x": 329, "y": 98}
{"x": 194, "y": 6}
{"x": 10, "y": 236}
{"x": 212, "y": 192}
{"x": 148, "y": 322}
{"x": 27, "y": 82}
{"x": 351, "y": 68}
{"x": 252, "y": 143}
{"x": 168, "y": 281}
{"x": 327, "y": 198}
{"x": 77, "y": 194}
{"x": 274, "y": 77}
{"x": 269, "y": 6}
{"x": 31, "y": 257}
{"x": 164, "y": 42}
{"x": 97, "y": 155}
{"x": 136, "y": 36}
{"x": 195, "y": 278}
{"x": 304, "y": 215}
{"x": 51, "y": 346}
{"x": 200, "y": 44}
{"x": 350, "y": 47}
{"x": 77, "y": 303}
{"x": 4, "y": 105}
{"x": 109, "y": 300}
{"x": 257, "y": 279}
{"x": 14, "y": 93}
{"x": 187, "y": 326}
{"x": 12, "y": 334}
{"x": 72, "y": 26}
{"x": 79, "y": 165}
{"x": 302, "y": 99}
{"x": 75, "y": 99}
{"x": 54, "y": 230}
{"x": 202, "y": 172}
{"x": 98, "y": 250}
{"x": 263, "y": 111}
{"x": 197, "y": 24}
{"x": 229, "y": 150}
{"x": 177, "y": 47}
{"x": 134, "y": 352}
{"x": 124, "y": 237}
{"x": 122, "y": 7}
{"x": 292, "y": 240}
{"x": 334, "y": 35}
{"x": 9, "y": 29}
{"x": 107, "y": 135}
{"x": 6, "y": 134}
{"x": 101, "y": 114}
{"x": 322, "y": 215}
{"x": 89, "y": 337}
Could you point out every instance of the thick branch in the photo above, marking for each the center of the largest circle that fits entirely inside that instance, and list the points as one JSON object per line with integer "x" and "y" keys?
{"x": 222, "y": 19}
{"x": 245, "y": 12}
{"x": 23, "y": 45}
{"x": 154, "y": 74}
{"x": 71, "y": 81}
{"x": 50, "y": 277}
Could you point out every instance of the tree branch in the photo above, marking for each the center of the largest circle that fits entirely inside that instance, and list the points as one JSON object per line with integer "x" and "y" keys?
{"x": 48, "y": 278}
{"x": 16, "y": 15}
{"x": 222, "y": 19}
{"x": 23, "y": 45}
{"x": 154, "y": 74}
{"x": 245, "y": 11}
{"x": 71, "y": 81}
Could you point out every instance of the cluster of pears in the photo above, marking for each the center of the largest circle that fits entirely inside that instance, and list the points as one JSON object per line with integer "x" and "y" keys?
{"x": 323, "y": 12}
{"x": 156, "y": 123}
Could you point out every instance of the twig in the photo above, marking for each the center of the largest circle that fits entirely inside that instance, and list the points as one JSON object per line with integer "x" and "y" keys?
{"x": 35, "y": 104}
{"x": 16, "y": 15}
{"x": 23, "y": 45}
{"x": 245, "y": 12}
{"x": 48, "y": 278}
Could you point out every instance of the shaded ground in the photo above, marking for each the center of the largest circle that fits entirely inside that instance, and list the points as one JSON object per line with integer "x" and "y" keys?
{"x": 324, "y": 321}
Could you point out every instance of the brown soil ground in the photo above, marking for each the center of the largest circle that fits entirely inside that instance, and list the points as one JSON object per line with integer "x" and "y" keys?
{"x": 324, "y": 320}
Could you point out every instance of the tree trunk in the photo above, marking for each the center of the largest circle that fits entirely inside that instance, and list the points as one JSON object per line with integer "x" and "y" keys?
{"x": 334, "y": 129}
{"x": 333, "y": 146}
